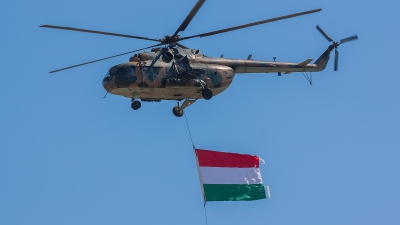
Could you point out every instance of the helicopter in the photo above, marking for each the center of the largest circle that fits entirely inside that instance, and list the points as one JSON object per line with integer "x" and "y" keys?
{"x": 172, "y": 71}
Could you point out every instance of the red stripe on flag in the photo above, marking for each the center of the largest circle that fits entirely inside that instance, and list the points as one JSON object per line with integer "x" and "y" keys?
{"x": 226, "y": 159}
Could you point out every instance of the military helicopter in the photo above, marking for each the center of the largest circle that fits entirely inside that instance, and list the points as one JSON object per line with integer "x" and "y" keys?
{"x": 171, "y": 71}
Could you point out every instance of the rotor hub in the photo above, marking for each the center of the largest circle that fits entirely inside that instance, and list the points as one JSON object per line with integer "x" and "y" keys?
{"x": 336, "y": 44}
{"x": 170, "y": 40}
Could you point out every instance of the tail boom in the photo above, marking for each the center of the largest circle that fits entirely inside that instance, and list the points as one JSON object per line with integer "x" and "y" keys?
{"x": 260, "y": 66}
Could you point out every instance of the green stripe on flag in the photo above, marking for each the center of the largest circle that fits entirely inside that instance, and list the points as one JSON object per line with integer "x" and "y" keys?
{"x": 234, "y": 192}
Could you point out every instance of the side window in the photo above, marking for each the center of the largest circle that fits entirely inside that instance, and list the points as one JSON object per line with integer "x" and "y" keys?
{"x": 130, "y": 71}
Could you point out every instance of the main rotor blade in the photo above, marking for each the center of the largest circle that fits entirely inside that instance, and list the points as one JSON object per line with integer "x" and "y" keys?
{"x": 103, "y": 59}
{"x": 325, "y": 34}
{"x": 97, "y": 32}
{"x": 352, "y": 38}
{"x": 336, "y": 60}
{"x": 252, "y": 24}
{"x": 189, "y": 17}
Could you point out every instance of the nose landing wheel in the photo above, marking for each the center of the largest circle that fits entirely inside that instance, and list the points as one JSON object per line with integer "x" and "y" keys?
{"x": 136, "y": 105}
{"x": 207, "y": 93}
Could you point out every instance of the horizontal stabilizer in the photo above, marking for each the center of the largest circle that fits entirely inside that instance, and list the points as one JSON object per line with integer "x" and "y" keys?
{"x": 287, "y": 72}
{"x": 305, "y": 62}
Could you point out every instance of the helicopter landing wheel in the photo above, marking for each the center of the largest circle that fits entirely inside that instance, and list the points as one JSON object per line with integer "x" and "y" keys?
{"x": 207, "y": 93}
{"x": 177, "y": 112}
{"x": 136, "y": 105}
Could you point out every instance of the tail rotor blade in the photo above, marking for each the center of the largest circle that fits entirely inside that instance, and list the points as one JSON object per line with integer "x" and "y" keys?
{"x": 352, "y": 38}
{"x": 336, "y": 60}
{"x": 325, "y": 34}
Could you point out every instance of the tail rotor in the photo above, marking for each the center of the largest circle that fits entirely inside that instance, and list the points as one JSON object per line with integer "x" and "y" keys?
{"x": 336, "y": 44}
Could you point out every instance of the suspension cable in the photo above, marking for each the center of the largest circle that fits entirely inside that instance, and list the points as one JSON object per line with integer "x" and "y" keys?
{"x": 190, "y": 134}
{"x": 191, "y": 140}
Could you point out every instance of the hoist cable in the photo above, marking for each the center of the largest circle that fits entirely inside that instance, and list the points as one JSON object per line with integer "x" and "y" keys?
{"x": 190, "y": 134}
{"x": 205, "y": 214}
{"x": 194, "y": 148}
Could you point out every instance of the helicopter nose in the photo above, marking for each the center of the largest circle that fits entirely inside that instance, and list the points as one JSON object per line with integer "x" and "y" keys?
{"x": 107, "y": 84}
{"x": 105, "y": 80}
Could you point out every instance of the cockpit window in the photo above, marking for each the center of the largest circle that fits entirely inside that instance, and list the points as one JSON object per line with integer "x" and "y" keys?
{"x": 111, "y": 71}
{"x": 125, "y": 71}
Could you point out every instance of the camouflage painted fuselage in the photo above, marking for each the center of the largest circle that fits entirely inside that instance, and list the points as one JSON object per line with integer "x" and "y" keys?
{"x": 180, "y": 73}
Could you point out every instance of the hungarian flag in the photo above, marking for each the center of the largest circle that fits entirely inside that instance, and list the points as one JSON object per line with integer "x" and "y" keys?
{"x": 228, "y": 176}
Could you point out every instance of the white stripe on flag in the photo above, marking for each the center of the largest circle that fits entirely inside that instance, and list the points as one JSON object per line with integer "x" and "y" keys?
{"x": 224, "y": 175}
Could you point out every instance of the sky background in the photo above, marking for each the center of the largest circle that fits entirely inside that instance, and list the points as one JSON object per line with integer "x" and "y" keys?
{"x": 68, "y": 156}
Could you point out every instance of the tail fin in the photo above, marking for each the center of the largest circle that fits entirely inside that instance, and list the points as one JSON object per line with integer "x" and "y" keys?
{"x": 322, "y": 61}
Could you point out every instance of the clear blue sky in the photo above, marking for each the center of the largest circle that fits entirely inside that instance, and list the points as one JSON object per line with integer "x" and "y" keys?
{"x": 68, "y": 156}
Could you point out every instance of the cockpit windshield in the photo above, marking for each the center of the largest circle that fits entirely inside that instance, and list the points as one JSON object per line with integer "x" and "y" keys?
{"x": 125, "y": 71}
{"x": 111, "y": 71}
{"x": 121, "y": 71}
